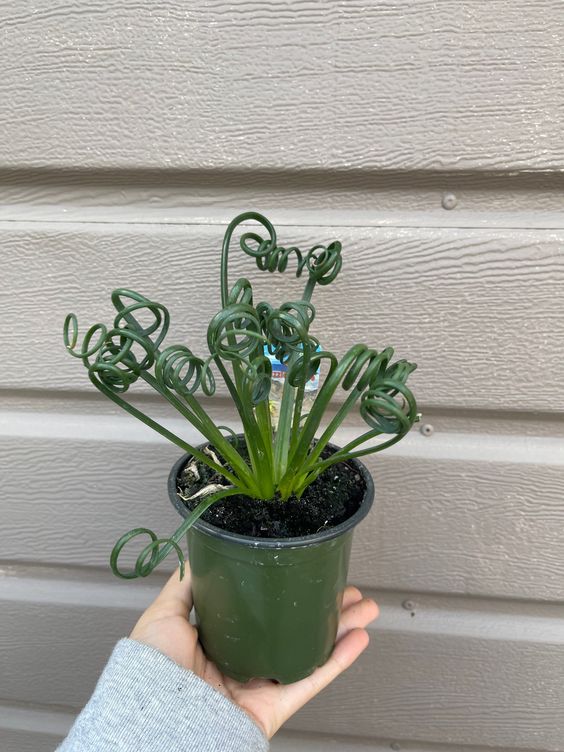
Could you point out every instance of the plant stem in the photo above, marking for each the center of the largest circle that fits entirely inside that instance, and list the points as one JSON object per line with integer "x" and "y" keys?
{"x": 166, "y": 433}
{"x": 196, "y": 414}
{"x": 256, "y": 446}
{"x": 344, "y": 454}
{"x": 283, "y": 430}
{"x": 157, "y": 554}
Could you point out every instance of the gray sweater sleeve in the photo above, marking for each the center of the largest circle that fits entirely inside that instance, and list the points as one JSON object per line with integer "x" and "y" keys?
{"x": 144, "y": 702}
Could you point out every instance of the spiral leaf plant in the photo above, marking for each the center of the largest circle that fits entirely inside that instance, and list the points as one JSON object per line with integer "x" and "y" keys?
{"x": 276, "y": 462}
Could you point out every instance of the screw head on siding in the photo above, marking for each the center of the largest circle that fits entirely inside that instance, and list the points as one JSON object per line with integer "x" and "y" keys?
{"x": 395, "y": 746}
{"x": 449, "y": 200}
{"x": 409, "y": 605}
{"x": 427, "y": 429}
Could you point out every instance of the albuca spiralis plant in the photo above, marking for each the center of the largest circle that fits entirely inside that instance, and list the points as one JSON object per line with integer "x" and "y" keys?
{"x": 279, "y": 462}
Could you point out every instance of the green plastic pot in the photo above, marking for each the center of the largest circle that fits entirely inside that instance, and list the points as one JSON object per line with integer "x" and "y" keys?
{"x": 268, "y": 607}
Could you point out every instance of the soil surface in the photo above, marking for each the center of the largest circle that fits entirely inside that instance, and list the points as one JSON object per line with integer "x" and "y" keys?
{"x": 331, "y": 499}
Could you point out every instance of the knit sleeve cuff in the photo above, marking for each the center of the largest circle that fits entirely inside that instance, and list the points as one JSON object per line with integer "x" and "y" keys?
{"x": 144, "y": 702}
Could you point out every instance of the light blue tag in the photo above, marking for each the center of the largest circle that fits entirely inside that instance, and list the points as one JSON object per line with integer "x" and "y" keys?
{"x": 279, "y": 371}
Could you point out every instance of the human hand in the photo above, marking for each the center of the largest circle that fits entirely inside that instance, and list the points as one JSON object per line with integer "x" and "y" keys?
{"x": 165, "y": 626}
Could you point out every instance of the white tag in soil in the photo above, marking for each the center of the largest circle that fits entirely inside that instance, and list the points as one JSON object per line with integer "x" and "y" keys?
{"x": 279, "y": 371}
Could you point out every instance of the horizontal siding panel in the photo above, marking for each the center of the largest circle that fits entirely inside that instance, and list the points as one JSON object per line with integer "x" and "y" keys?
{"x": 27, "y": 741}
{"x": 396, "y": 86}
{"x": 477, "y": 685}
{"x": 25, "y": 729}
{"x": 529, "y": 200}
{"x": 36, "y": 729}
{"x": 463, "y": 514}
{"x": 464, "y": 527}
{"x": 478, "y": 310}
{"x": 451, "y": 690}
{"x": 525, "y": 426}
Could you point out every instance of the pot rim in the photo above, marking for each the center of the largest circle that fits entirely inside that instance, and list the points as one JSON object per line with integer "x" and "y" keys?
{"x": 275, "y": 543}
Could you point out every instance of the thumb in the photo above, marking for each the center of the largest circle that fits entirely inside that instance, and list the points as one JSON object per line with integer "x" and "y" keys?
{"x": 347, "y": 650}
{"x": 176, "y": 596}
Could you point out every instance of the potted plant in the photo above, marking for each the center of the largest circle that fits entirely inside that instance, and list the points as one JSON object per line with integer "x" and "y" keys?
{"x": 269, "y": 513}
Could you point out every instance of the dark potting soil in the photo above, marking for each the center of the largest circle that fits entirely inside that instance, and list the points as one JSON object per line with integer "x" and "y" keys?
{"x": 331, "y": 499}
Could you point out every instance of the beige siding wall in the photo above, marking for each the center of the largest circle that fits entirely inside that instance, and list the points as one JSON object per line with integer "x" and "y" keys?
{"x": 428, "y": 138}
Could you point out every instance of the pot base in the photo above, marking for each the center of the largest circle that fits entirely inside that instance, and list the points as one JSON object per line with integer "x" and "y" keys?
{"x": 269, "y": 612}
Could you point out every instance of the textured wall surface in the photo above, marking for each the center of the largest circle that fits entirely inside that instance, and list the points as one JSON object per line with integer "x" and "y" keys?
{"x": 427, "y": 136}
